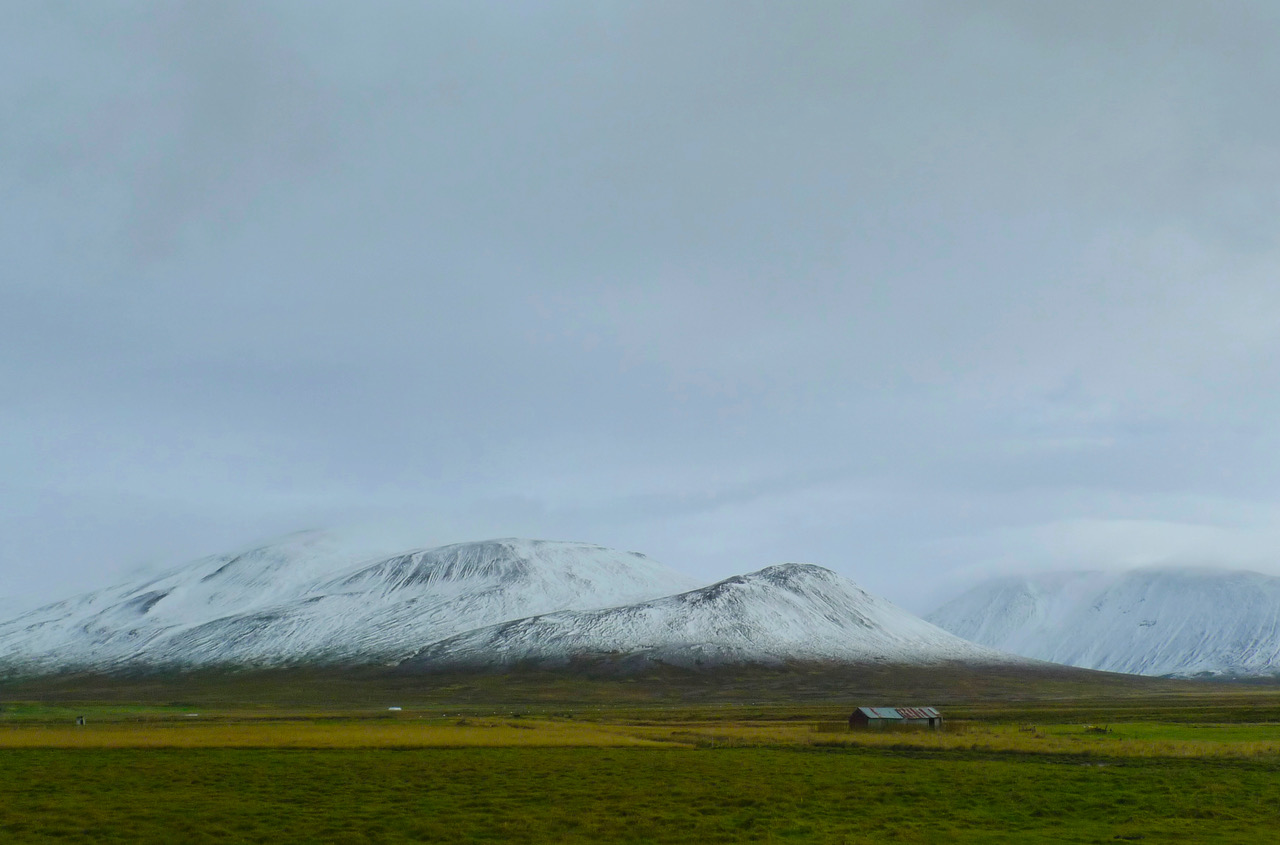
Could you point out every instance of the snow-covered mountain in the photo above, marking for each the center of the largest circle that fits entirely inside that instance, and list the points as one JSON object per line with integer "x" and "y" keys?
{"x": 314, "y": 598}
{"x": 787, "y": 612}
{"x": 1162, "y": 621}
{"x": 101, "y": 628}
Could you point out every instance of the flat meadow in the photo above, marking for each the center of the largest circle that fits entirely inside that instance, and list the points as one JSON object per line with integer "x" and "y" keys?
{"x": 613, "y": 762}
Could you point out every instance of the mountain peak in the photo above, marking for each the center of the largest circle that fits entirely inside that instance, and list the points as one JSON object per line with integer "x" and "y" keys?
{"x": 795, "y": 574}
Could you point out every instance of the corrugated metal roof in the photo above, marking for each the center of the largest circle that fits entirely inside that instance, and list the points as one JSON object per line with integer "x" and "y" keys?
{"x": 918, "y": 712}
{"x": 900, "y": 712}
{"x": 880, "y": 712}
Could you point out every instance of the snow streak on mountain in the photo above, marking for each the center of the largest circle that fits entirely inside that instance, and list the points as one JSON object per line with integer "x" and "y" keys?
{"x": 787, "y": 612}
{"x": 1180, "y": 622}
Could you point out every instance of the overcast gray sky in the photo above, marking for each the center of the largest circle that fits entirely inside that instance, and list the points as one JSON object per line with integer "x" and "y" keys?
{"x": 918, "y": 291}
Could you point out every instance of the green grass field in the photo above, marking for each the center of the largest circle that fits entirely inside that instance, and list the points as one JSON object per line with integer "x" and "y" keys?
{"x": 631, "y": 794}
{"x": 289, "y": 758}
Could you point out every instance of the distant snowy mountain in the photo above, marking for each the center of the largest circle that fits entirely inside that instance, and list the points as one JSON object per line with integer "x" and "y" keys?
{"x": 1165, "y": 621}
{"x": 311, "y": 598}
{"x": 781, "y": 613}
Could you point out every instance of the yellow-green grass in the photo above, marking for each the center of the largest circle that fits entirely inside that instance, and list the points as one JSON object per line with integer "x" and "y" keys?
{"x": 325, "y": 733}
{"x": 406, "y": 730}
{"x": 1120, "y": 740}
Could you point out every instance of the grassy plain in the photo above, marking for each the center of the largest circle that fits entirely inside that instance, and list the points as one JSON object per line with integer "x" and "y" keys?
{"x": 528, "y": 758}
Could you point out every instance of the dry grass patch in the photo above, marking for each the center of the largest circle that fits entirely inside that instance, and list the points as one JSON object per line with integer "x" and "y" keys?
{"x": 379, "y": 733}
{"x": 1128, "y": 740}
{"x": 1124, "y": 740}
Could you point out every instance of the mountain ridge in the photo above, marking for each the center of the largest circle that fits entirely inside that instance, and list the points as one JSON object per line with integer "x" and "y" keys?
{"x": 779, "y": 613}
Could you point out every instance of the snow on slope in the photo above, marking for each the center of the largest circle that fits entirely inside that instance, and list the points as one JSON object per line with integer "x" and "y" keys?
{"x": 312, "y": 598}
{"x": 111, "y": 625}
{"x": 791, "y": 611}
{"x": 1162, "y": 621}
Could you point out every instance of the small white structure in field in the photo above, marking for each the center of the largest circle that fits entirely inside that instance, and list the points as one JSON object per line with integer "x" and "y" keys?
{"x": 395, "y": 708}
